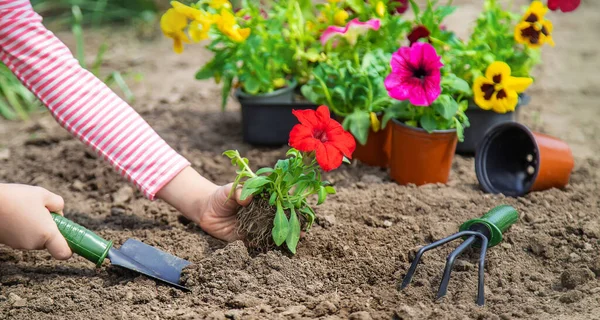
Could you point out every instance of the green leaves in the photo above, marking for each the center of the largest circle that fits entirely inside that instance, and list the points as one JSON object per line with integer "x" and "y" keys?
{"x": 428, "y": 122}
{"x": 445, "y": 106}
{"x": 359, "y": 124}
{"x": 281, "y": 226}
{"x": 357, "y": 6}
{"x": 293, "y": 235}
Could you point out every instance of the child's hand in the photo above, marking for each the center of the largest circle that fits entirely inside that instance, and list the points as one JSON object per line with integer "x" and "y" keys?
{"x": 204, "y": 203}
{"x": 25, "y": 220}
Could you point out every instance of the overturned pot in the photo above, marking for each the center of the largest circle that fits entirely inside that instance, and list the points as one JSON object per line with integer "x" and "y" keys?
{"x": 481, "y": 121}
{"x": 267, "y": 119}
{"x": 420, "y": 157}
{"x": 513, "y": 160}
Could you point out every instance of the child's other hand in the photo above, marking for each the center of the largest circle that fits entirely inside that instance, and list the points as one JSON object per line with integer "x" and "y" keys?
{"x": 218, "y": 217}
{"x": 25, "y": 220}
{"x": 205, "y": 203}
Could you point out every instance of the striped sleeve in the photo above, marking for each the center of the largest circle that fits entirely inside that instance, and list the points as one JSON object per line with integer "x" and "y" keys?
{"x": 83, "y": 104}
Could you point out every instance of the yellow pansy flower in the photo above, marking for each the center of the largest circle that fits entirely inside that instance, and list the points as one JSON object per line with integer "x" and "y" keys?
{"x": 172, "y": 24}
{"x": 498, "y": 90}
{"x": 340, "y": 17}
{"x": 218, "y": 4}
{"x": 199, "y": 29}
{"x": 228, "y": 25}
{"x": 375, "y": 124}
{"x": 187, "y": 11}
{"x": 380, "y": 9}
{"x": 534, "y": 30}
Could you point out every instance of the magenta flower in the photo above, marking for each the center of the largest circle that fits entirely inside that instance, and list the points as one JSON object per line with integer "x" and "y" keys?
{"x": 402, "y": 6}
{"x": 351, "y": 31}
{"x": 415, "y": 74}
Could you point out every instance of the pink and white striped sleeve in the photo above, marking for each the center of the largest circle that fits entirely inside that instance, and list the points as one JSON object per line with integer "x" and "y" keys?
{"x": 83, "y": 104}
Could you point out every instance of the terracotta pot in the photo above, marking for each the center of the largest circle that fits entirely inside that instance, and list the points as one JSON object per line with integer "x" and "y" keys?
{"x": 420, "y": 157}
{"x": 513, "y": 160}
{"x": 376, "y": 152}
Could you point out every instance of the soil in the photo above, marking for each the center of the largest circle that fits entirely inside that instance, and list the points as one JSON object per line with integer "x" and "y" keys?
{"x": 350, "y": 263}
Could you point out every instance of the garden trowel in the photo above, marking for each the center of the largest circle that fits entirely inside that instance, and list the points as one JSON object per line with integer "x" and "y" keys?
{"x": 133, "y": 254}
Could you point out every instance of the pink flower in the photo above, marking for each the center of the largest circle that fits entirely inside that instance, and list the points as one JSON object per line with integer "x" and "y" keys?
{"x": 415, "y": 74}
{"x": 563, "y": 5}
{"x": 351, "y": 31}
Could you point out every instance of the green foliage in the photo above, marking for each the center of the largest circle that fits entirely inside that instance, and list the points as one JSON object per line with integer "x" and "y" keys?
{"x": 287, "y": 185}
{"x": 16, "y": 102}
{"x": 257, "y": 64}
{"x": 114, "y": 77}
{"x": 95, "y": 12}
{"x": 352, "y": 89}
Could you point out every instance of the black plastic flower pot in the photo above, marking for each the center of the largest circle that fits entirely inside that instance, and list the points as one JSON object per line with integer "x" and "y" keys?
{"x": 269, "y": 124}
{"x": 283, "y": 95}
{"x": 481, "y": 121}
{"x": 513, "y": 160}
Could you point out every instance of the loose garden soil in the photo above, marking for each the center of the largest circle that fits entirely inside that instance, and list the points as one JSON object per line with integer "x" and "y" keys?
{"x": 349, "y": 265}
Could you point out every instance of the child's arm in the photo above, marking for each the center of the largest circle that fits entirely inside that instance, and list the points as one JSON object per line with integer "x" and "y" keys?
{"x": 89, "y": 110}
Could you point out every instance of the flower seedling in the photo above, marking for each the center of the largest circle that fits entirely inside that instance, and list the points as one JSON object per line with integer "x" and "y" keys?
{"x": 280, "y": 209}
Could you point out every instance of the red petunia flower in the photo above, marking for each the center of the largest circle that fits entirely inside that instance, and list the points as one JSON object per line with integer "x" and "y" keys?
{"x": 402, "y": 7}
{"x": 419, "y": 32}
{"x": 318, "y": 132}
{"x": 563, "y": 5}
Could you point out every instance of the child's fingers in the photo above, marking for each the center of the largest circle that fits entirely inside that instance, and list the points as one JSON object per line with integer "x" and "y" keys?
{"x": 57, "y": 246}
{"x": 238, "y": 195}
{"x": 54, "y": 203}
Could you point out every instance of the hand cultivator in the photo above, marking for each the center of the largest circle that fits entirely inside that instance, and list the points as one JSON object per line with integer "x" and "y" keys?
{"x": 482, "y": 232}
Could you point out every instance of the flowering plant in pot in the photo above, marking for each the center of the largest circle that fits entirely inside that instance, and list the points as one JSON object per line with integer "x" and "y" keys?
{"x": 357, "y": 96}
{"x": 280, "y": 208}
{"x": 252, "y": 54}
{"x": 496, "y": 61}
{"x": 427, "y": 120}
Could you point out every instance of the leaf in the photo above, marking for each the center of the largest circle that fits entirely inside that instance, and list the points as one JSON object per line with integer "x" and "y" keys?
{"x": 264, "y": 170}
{"x": 357, "y": 6}
{"x": 459, "y": 130}
{"x": 251, "y": 85}
{"x": 322, "y": 195}
{"x": 257, "y": 182}
{"x": 232, "y": 154}
{"x": 227, "y": 82}
{"x": 281, "y": 226}
{"x": 428, "y": 122}
{"x": 445, "y": 106}
{"x": 246, "y": 192}
{"x": 206, "y": 72}
{"x": 293, "y": 235}
{"x": 293, "y": 152}
{"x": 359, "y": 125}
{"x": 456, "y": 84}
{"x": 273, "y": 198}
{"x": 330, "y": 190}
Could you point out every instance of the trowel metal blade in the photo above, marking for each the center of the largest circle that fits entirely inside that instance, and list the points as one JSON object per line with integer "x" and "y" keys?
{"x": 150, "y": 261}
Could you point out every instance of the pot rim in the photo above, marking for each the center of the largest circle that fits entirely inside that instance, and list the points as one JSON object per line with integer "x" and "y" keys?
{"x": 400, "y": 123}
{"x": 292, "y": 86}
{"x": 481, "y": 155}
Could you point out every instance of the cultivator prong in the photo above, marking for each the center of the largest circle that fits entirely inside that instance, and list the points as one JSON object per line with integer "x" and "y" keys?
{"x": 484, "y": 232}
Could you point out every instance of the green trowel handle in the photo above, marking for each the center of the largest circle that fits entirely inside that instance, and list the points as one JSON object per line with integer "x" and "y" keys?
{"x": 82, "y": 241}
{"x": 496, "y": 220}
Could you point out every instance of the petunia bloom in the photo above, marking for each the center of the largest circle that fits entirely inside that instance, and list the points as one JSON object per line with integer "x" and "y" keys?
{"x": 402, "y": 6}
{"x": 172, "y": 24}
{"x": 534, "y": 30}
{"x": 498, "y": 90}
{"x": 415, "y": 74}
{"x": 228, "y": 25}
{"x": 563, "y": 5}
{"x": 419, "y": 32}
{"x": 326, "y": 137}
{"x": 351, "y": 31}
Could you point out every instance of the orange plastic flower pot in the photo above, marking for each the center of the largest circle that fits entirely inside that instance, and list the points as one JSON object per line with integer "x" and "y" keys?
{"x": 513, "y": 160}
{"x": 420, "y": 157}
{"x": 376, "y": 152}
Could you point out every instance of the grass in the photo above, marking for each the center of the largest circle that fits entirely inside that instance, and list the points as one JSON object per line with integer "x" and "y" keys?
{"x": 95, "y": 12}
{"x": 17, "y": 102}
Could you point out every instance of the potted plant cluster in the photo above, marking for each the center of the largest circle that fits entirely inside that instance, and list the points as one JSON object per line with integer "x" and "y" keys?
{"x": 280, "y": 209}
{"x": 261, "y": 55}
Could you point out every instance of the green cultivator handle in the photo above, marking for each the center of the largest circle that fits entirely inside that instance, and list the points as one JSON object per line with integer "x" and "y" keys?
{"x": 83, "y": 241}
{"x": 496, "y": 221}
